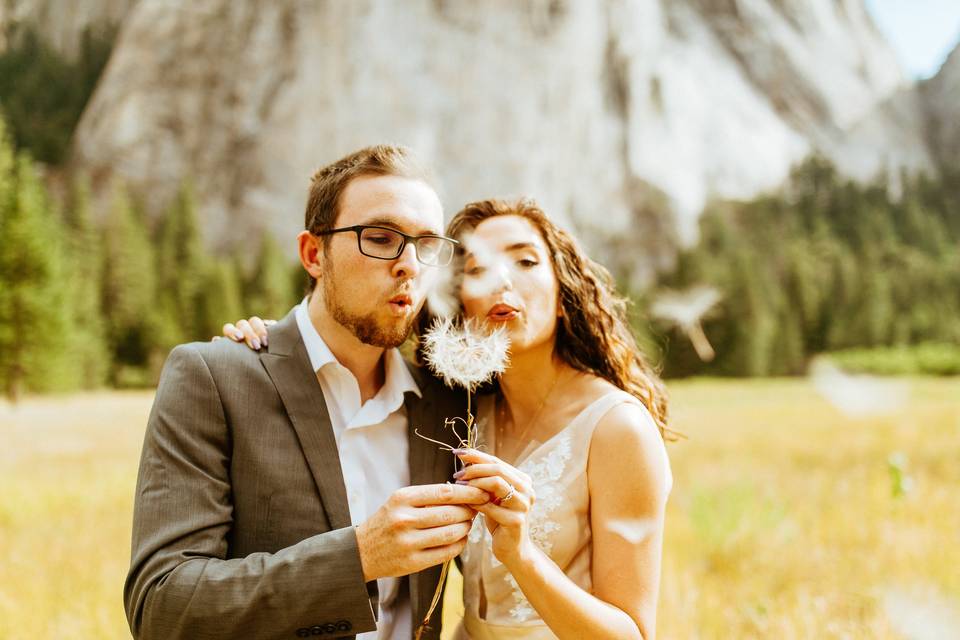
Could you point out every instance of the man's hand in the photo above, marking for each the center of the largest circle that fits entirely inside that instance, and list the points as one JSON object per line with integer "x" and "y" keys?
{"x": 418, "y": 527}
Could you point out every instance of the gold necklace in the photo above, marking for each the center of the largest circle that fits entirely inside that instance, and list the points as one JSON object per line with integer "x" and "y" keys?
{"x": 533, "y": 421}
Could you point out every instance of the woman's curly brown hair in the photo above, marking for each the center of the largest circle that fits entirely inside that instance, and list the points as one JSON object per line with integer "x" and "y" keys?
{"x": 593, "y": 334}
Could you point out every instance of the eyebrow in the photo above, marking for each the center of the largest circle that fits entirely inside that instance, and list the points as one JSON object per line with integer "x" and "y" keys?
{"x": 516, "y": 246}
{"x": 521, "y": 245}
{"x": 393, "y": 223}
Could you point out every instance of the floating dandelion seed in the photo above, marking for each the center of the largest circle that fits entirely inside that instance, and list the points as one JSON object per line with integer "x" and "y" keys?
{"x": 632, "y": 530}
{"x": 922, "y": 614}
{"x": 858, "y": 396}
{"x": 463, "y": 356}
{"x": 496, "y": 268}
{"x": 442, "y": 298}
{"x": 686, "y": 310}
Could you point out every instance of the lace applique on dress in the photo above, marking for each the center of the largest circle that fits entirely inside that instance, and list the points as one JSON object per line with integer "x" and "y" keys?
{"x": 544, "y": 473}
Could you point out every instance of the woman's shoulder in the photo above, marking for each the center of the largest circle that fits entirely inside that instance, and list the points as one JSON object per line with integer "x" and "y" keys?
{"x": 626, "y": 443}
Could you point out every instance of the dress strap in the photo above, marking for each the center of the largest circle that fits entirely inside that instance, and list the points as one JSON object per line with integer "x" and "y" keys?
{"x": 593, "y": 412}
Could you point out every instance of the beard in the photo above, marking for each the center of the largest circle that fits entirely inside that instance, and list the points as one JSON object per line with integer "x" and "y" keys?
{"x": 365, "y": 327}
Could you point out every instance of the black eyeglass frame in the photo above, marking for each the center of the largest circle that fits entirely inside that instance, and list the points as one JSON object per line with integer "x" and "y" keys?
{"x": 360, "y": 228}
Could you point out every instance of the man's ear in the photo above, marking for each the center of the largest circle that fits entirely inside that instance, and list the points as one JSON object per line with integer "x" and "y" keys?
{"x": 311, "y": 253}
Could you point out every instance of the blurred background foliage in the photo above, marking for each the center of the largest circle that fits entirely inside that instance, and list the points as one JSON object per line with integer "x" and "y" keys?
{"x": 43, "y": 93}
{"x": 96, "y": 294}
{"x": 87, "y": 301}
{"x": 824, "y": 265}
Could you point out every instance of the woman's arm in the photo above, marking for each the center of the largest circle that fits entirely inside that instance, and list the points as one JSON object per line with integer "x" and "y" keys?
{"x": 628, "y": 495}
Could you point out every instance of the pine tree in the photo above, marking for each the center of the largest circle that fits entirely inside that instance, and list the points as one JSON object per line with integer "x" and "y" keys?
{"x": 220, "y": 300}
{"x": 182, "y": 272}
{"x": 269, "y": 289}
{"x": 33, "y": 308}
{"x": 88, "y": 349}
{"x": 129, "y": 288}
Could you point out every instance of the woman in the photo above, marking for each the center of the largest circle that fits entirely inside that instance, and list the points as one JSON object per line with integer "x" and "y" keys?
{"x": 572, "y": 439}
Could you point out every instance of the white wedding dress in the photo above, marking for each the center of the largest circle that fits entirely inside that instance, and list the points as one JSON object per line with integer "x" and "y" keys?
{"x": 496, "y": 608}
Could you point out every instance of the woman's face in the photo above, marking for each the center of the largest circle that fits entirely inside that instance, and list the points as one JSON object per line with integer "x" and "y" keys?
{"x": 509, "y": 280}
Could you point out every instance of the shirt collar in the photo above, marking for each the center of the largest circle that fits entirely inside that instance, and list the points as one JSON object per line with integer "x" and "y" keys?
{"x": 398, "y": 379}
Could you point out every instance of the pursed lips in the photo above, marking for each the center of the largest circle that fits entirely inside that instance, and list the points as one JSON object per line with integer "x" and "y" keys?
{"x": 502, "y": 312}
{"x": 400, "y": 303}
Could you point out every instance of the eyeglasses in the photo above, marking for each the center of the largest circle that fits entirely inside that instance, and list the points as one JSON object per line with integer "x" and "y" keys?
{"x": 384, "y": 243}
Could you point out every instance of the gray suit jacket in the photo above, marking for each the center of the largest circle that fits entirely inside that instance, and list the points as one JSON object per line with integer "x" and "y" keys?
{"x": 241, "y": 523}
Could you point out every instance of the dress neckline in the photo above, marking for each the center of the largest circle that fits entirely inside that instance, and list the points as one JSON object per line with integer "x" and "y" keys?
{"x": 523, "y": 459}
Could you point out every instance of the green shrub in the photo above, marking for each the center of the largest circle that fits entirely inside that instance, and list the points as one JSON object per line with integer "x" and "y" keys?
{"x": 923, "y": 359}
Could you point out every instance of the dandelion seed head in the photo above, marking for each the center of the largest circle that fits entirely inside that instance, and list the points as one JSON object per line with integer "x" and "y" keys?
{"x": 467, "y": 355}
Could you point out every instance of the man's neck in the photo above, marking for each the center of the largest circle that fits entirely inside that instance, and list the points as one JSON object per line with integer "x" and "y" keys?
{"x": 364, "y": 361}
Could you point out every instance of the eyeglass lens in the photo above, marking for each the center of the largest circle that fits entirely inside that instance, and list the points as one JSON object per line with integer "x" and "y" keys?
{"x": 383, "y": 243}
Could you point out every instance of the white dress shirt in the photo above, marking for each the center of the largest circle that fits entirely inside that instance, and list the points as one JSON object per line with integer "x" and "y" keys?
{"x": 372, "y": 444}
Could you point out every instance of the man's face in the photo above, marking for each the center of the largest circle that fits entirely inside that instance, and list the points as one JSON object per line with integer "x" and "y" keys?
{"x": 378, "y": 300}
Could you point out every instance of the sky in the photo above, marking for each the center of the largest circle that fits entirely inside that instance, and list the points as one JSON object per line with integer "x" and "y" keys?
{"x": 922, "y": 32}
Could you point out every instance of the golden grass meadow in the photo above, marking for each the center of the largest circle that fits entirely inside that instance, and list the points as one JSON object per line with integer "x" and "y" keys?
{"x": 787, "y": 519}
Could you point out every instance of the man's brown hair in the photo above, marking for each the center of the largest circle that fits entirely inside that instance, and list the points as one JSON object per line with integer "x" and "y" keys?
{"x": 328, "y": 183}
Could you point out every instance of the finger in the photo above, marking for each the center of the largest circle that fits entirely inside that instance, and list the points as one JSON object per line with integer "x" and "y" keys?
{"x": 500, "y": 515}
{"x": 475, "y": 456}
{"x": 512, "y": 475}
{"x": 230, "y": 331}
{"x": 436, "y": 555}
{"x": 436, "y": 516}
{"x": 269, "y": 322}
{"x": 249, "y": 335}
{"x": 433, "y": 494}
{"x": 259, "y": 328}
{"x": 499, "y": 488}
{"x": 441, "y": 536}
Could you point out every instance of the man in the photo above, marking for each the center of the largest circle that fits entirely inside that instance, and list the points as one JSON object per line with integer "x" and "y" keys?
{"x": 280, "y": 493}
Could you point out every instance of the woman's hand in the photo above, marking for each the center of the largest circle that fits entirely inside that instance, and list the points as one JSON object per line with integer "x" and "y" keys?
{"x": 253, "y": 332}
{"x": 512, "y": 496}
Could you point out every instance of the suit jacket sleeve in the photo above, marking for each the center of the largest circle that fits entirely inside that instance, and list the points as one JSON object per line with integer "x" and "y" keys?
{"x": 181, "y": 583}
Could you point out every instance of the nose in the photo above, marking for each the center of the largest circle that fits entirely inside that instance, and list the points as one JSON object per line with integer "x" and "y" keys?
{"x": 500, "y": 277}
{"x": 406, "y": 265}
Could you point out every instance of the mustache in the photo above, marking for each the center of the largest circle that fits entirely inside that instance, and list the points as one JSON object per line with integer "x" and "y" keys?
{"x": 405, "y": 288}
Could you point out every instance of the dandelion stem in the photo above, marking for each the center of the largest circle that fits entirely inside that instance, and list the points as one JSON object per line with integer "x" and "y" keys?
{"x": 444, "y": 445}
{"x": 433, "y": 603}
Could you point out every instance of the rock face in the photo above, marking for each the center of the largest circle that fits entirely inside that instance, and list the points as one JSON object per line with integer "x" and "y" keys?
{"x": 62, "y": 23}
{"x": 942, "y": 101}
{"x": 604, "y": 111}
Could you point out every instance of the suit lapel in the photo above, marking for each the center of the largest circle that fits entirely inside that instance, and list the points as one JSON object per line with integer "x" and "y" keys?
{"x": 288, "y": 365}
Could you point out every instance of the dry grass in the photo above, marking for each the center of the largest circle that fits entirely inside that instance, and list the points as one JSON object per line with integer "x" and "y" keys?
{"x": 783, "y": 521}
